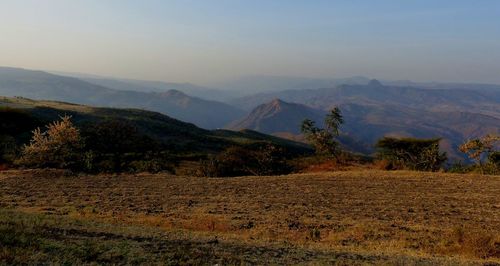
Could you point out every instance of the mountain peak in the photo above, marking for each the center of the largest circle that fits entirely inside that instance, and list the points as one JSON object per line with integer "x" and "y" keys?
{"x": 277, "y": 116}
{"x": 375, "y": 83}
{"x": 276, "y": 101}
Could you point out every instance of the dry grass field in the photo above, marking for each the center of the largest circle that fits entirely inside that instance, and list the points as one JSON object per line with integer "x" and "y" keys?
{"x": 351, "y": 217}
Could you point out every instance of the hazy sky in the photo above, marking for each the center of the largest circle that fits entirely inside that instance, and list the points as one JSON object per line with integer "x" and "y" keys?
{"x": 207, "y": 41}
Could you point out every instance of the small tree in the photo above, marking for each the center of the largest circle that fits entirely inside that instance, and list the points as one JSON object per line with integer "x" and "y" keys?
{"x": 116, "y": 142}
{"x": 481, "y": 149}
{"x": 59, "y": 146}
{"x": 324, "y": 140}
{"x": 333, "y": 120}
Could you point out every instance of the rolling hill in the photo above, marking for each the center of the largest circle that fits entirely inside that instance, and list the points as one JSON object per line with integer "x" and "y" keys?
{"x": 180, "y": 137}
{"x": 44, "y": 86}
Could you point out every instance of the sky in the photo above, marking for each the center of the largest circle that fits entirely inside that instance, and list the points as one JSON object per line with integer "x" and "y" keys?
{"x": 209, "y": 41}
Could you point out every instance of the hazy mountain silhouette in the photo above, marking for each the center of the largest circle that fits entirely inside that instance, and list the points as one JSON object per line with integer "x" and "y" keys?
{"x": 155, "y": 86}
{"x": 42, "y": 85}
{"x": 278, "y": 116}
{"x": 257, "y": 84}
{"x": 459, "y": 100}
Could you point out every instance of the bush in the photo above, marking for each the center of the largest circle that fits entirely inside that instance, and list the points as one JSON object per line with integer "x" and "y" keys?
{"x": 410, "y": 153}
{"x": 266, "y": 159}
{"x": 118, "y": 146}
{"x": 60, "y": 146}
{"x": 8, "y": 149}
{"x": 151, "y": 163}
{"x": 459, "y": 168}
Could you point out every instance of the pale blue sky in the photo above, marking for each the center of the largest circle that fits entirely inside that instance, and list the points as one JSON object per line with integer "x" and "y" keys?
{"x": 206, "y": 41}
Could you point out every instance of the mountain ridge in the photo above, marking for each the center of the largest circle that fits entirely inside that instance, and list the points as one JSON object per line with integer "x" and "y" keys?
{"x": 42, "y": 85}
{"x": 365, "y": 123}
{"x": 484, "y": 102}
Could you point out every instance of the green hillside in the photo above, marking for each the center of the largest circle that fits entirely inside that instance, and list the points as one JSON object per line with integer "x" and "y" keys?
{"x": 21, "y": 115}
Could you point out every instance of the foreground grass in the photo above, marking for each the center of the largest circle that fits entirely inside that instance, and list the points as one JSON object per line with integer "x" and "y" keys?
{"x": 43, "y": 239}
{"x": 346, "y": 217}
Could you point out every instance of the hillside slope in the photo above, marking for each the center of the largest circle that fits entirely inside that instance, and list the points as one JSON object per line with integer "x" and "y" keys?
{"x": 44, "y": 86}
{"x": 180, "y": 137}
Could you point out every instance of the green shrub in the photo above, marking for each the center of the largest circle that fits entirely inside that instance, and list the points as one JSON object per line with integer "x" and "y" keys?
{"x": 411, "y": 153}
{"x": 118, "y": 146}
{"x": 266, "y": 159}
{"x": 459, "y": 168}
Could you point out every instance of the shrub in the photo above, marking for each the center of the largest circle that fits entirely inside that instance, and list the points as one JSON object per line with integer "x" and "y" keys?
{"x": 118, "y": 146}
{"x": 410, "y": 153}
{"x": 494, "y": 158}
{"x": 266, "y": 159}
{"x": 8, "y": 149}
{"x": 459, "y": 168}
{"x": 60, "y": 146}
{"x": 151, "y": 163}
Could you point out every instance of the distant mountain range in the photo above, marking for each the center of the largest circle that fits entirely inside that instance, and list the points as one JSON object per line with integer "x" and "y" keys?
{"x": 155, "y": 86}
{"x": 375, "y": 93}
{"x": 372, "y": 108}
{"x": 42, "y": 85}
{"x": 366, "y": 123}
{"x": 249, "y": 85}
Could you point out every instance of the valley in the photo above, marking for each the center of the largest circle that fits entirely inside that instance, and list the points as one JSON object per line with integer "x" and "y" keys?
{"x": 372, "y": 109}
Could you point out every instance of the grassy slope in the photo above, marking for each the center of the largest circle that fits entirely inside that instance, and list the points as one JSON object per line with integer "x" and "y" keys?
{"x": 348, "y": 217}
{"x": 181, "y": 136}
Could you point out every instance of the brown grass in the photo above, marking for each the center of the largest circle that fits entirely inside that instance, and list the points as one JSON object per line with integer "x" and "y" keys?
{"x": 401, "y": 212}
